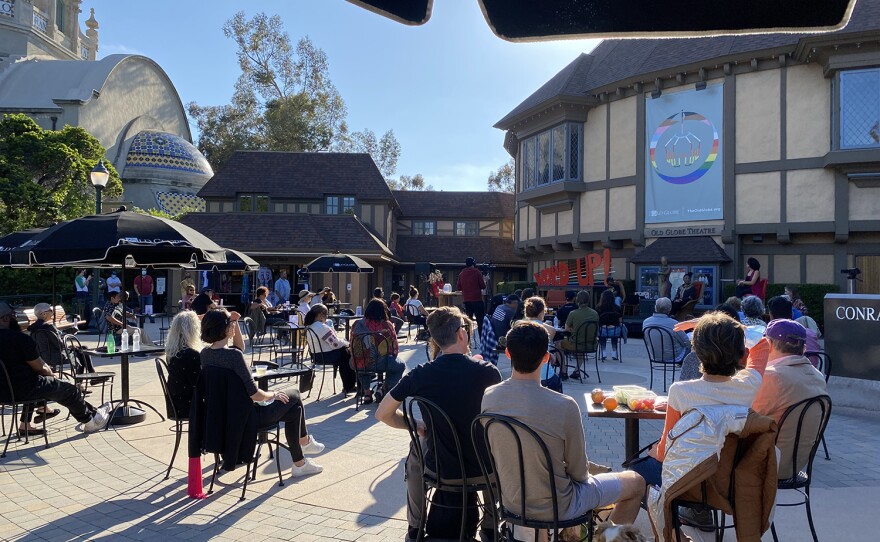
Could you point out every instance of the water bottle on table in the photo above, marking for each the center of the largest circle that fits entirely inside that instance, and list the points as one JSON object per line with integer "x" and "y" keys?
{"x": 136, "y": 340}
{"x": 123, "y": 341}
{"x": 111, "y": 344}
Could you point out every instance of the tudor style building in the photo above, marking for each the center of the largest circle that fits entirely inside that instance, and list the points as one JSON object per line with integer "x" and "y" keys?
{"x": 286, "y": 208}
{"x": 707, "y": 151}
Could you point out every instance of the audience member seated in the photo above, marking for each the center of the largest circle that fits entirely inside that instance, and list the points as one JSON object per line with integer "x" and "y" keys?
{"x": 504, "y": 316}
{"x": 188, "y": 295}
{"x": 327, "y": 296}
{"x": 469, "y": 377}
{"x": 413, "y": 301}
{"x": 736, "y": 303}
{"x": 719, "y": 342}
{"x": 690, "y": 366}
{"x": 797, "y": 304}
{"x": 751, "y": 284}
{"x": 47, "y": 337}
{"x": 566, "y": 309}
{"x": 781, "y": 308}
{"x": 789, "y": 379}
{"x": 754, "y": 310}
{"x": 616, "y": 287}
{"x": 535, "y": 311}
{"x": 117, "y": 318}
{"x": 395, "y": 308}
{"x": 32, "y": 379}
{"x": 581, "y": 338}
{"x": 379, "y": 293}
{"x": 304, "y": 304}
{"x": 372, "y": 356}
{"x": 523, "y": 398}
{"x": 662, "y": 319}
{"x": 334, "y": 350}
{"x": 182, "y": 352}
{"x": 218, "y": 327}
{"x": 610, "y": 318}
{"x": 203, "y": 302}
{"x": 262, "y": 312}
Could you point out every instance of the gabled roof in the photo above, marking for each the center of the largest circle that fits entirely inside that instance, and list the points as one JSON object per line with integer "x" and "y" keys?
{"x": 450, "y": 205}
{"x": 453, "y": 250}
{"x": 615, "y": 61}
{"x": 682, "y": 250}
{"x": 294, "y": 234}
{"x": 299, "y": 175}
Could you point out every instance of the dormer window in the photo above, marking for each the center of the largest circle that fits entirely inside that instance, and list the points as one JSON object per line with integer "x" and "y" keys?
{"x": 337, "y": 205}
{"x": 424, "y": 227}
{"x": 552, "y": 155}
{"x": 253, "y": 203}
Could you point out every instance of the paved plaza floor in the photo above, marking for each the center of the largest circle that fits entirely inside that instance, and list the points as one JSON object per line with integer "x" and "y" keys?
{"x": 110, "y": 485}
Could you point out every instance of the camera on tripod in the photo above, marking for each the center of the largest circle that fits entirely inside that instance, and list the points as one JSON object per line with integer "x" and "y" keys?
{"x": 851, "y": 274}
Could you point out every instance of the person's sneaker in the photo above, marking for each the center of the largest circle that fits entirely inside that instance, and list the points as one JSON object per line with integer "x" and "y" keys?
{"x": 313, "y": 446}
{"x": 99, "y": 419}
{"x": 563, "y": 377}
{"x": 306, "y": 469}
{"x": 700, "y": 519}
{"x": 412, "y": 534}
{"x": 614, "y": 356}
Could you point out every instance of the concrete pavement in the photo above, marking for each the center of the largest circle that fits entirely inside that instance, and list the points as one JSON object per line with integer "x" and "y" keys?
{"x": 110, "y": 486}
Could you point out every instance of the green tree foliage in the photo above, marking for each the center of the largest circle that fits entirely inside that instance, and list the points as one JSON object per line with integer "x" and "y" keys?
{"x": 416, "y": 182}
{"x": 504, "y": 179}
{"x": 284, "y": 100}
{"x": 44, "y": 174}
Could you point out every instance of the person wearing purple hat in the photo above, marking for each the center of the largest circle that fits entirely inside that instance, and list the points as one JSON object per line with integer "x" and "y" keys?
{"x": 788, "y": 379}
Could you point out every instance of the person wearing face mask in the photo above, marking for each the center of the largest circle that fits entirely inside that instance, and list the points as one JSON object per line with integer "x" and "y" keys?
{"x": 113, "y": 283}
{"x": 143, "y": 286}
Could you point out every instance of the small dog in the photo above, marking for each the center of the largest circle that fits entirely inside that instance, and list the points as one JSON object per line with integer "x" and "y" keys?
{"x": 608, "y": 532}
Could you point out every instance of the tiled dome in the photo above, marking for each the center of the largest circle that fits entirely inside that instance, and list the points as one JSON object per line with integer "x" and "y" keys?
{"x": 161, "y": 150}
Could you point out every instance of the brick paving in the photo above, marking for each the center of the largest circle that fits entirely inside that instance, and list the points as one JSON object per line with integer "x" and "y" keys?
{"x": 110, "y": 486}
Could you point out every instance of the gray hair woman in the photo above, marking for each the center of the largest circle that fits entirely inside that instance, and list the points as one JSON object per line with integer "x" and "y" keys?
{"x": 753, "y": 308}
{"x": 182, "y": 349}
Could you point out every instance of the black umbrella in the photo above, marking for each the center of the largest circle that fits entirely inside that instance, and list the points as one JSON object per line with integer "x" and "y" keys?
{"x": 13, "y": 241}
{"x": 528, "y": 20}
{"x": 235, "y": 261}
{"x": 115, "y": 239}
{"x": 338, "y": 263}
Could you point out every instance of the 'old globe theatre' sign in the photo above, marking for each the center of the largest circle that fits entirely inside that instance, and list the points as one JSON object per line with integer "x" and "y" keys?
{"x": 852, "y": 334}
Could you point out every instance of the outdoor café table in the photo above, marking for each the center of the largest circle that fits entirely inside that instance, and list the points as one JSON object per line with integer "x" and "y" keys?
{"x": 338, "y": 306}
{"x": 347, "y": 319}
{"x": 123, "y": 412}
{"x": 631, "y": 421}
{"x": 142, "y": 318}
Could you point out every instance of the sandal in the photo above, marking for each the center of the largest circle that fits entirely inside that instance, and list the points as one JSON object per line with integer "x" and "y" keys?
{"x": 46, "y": 415}
{"x": 367, "y": 399}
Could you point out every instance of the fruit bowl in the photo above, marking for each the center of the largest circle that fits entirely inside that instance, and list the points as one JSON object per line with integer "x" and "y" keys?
{"x": 641, "y": 401}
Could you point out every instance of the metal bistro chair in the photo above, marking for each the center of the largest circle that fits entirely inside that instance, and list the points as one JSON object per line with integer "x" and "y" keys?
{"x": 414, "y": 318}
{"x": 178, "y": 418}
{"x": 80, "y": 374}
{"x": 586, "y": 343}
{"x": 516, "y": 433}
{"x": 822, "y": 361}
{"x": 437, "y": 476}
{"x": 611, "y": 332}
{"x": 100, "y": 326}
{"x": 314, "y": 343}
{"x": 257, "y": 340}
{"x": 656, "y": 341}
{"x": 288, "y": 340}
{"x": 7, "y": 399}
{"x": 799, "y": 479}
{"x": 370, "y": 342}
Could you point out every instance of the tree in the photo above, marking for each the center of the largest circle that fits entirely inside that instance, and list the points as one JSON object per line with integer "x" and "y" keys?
{"x": 416, "y": 182}
{"x": 44, "y": 174}
{"x": 284, "y": 100}
{"x": 504, "y": 179}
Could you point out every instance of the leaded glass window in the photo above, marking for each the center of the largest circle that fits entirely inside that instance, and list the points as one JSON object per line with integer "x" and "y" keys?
{"x": 558, "y": 142}
{"x": 860, "y": 108}
{"x": 543, "y": 167}
{"x": 551, "y": 156}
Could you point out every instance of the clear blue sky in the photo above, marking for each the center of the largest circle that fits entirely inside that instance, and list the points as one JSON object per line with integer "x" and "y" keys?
{"x": 440, "y": 86}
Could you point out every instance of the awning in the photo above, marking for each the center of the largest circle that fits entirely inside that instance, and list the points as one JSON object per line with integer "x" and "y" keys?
{"x": 682, "y": 250}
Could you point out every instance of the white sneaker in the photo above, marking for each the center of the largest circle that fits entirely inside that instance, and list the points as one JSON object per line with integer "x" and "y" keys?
{"x": 99, "y": 419}
{"x": 313, "y": 446}
{"x": 306, "y": 469}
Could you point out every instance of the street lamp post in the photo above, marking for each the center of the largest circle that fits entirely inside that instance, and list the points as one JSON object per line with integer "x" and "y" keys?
{"x": 99, "y": 177}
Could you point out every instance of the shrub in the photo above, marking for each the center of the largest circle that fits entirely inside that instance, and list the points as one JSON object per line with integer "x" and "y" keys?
{"x": 514, "y": 285}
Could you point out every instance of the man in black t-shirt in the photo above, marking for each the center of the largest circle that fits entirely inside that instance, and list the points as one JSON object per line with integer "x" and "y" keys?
{"x": 570, "y": 305}
{"x": 455, "y": 382}
{"x": 202, "y": 303}
{"x": 32, "y": 379}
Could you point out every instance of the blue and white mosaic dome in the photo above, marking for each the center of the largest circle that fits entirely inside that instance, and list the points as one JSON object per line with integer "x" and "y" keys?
{"x": 164, "y": 151}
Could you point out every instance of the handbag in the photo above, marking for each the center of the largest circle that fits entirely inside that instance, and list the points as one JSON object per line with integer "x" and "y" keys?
{"x": 306, "y": 381}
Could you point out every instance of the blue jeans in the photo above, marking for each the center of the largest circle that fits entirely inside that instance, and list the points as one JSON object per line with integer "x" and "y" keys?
{"x": 390, "y": 365}
{"x": 145, "y": 300}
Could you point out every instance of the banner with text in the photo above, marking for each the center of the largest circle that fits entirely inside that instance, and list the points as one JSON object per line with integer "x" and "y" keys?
{"x": 683, "y": 174}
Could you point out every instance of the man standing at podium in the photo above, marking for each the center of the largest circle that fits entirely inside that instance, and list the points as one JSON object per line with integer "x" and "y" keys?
{"x": 471, "y": 285}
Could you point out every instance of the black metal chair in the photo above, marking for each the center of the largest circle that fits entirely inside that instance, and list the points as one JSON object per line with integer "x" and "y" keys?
{"x": 257, "y": 340}
{"x": 178, "y": 418}
{"x": 719, "y": 517}
{"x": 663, "y": 352}
{"x": 100, "y": 326}
{"x": 801, "y": 467}
{"x": 314, "y": 344}
{"x": 7, "y": 399}
{"x": 822, "y": 361}
{"x": 372, "y": 343}
{"x": 221, "y": 401}
{"x": 414, "y": 318}
{"x": 510, "y": 432}
{"x": 586, "y": 343}
{"x": 610, "y": 328}
{"x": 437, "y": 476}
{"x": 83, "y": 375}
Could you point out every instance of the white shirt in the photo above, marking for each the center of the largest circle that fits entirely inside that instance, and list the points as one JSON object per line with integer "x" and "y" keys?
{"x": 114, "y": 284}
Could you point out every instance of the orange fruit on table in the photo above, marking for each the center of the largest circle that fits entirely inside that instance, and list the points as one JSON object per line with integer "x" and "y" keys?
{"x": 610, "y": 403}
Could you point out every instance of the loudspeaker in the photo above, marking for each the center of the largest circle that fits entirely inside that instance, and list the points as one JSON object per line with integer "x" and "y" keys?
{"x": 423, "y": 268}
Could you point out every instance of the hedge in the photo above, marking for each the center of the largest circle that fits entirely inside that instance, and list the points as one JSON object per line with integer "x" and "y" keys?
{"x": 514, "y": 285}
{"x": 813, "y": 296}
